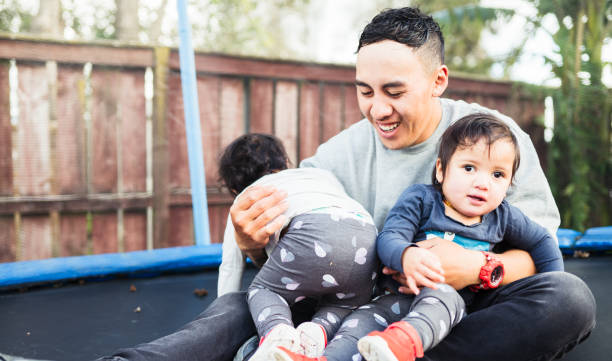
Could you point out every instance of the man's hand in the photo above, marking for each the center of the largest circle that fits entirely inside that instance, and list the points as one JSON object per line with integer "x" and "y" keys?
{"x": 422, "y": 268}
{"x": 461, "y": 266}
{"x": 256, "y": 214}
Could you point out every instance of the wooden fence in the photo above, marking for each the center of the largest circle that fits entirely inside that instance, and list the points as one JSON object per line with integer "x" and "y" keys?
{"x": 91, "y": 163}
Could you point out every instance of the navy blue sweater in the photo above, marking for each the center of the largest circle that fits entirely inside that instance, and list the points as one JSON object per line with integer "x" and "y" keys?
{"x": 419, "y": 211}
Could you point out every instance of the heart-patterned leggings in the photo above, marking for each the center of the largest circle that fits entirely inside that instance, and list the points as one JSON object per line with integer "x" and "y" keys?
{"x": 328, "y": 257}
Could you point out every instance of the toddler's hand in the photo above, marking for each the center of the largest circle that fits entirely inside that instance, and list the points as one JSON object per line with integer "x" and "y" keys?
{"x": 422, "y": 268}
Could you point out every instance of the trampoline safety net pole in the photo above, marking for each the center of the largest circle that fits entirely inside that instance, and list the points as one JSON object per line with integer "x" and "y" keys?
{"x": 192, "y": 127}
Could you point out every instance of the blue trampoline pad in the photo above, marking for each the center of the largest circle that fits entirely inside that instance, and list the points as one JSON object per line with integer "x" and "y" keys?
{"x": 595, "y": 239}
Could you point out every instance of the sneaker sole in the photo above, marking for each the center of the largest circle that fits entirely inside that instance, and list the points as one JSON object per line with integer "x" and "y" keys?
{"x": 281, "y": 335}
{"x": 279, "y": 355}
{"x": 375, "y": 348}
{"x": 312, "y": 339}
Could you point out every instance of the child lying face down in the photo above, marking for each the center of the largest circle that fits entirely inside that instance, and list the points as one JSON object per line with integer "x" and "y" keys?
{"x": 326, "y": 250}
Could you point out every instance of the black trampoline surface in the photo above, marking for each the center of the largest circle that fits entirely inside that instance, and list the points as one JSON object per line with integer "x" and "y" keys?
{"x": 86, "y": 321}
{"x": 77, "y": 322}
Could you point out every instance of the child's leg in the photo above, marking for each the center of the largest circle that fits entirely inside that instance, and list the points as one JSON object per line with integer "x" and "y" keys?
{"x": 330, "y": 318}
{"x": 431, "y": 316}
{"x": 268, "y": 309}
{"x": 434, "y": 313}
{"x": 375, "y": 316}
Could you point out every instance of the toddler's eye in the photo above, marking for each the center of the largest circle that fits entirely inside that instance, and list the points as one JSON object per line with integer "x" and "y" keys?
{"x": 468, "y": 168}
{"x": 498, "y": 174}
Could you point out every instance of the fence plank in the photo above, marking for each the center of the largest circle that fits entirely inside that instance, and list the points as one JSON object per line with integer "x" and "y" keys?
{"x": 33, "y": 164}
{"x": 133, "y": 122}
{"x": 134, "y": 231}
{"x": 241, "y": 66}
{"x": 74, "y": 53}
{"x": 232, "y": 110}
{"x": 181, "y": 227}
{"x": 72, "y": 235}
{"x": 104, "y": 233}
{"x": 261, "y": 110}
{"x": 332, "y": 111}
{"x": 286, "y": 117}
{"x": 8, "y": 244}
{"x": 310, "y": 119}
{"x": 6, "y": 133}
{"x": 177, "y": 139}
{"x": 210, "y": 117}
{"x": 35, "y": 236}
{"x": 217, "y": 216}
{"x": 104, "y": 103}
{"x": 161, "y": 150}
{"x": 70, "y": 144}
{"x": 352, "y": 114}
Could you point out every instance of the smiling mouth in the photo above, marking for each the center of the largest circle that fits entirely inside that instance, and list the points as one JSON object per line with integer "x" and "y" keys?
{"x": 386, "y": 128}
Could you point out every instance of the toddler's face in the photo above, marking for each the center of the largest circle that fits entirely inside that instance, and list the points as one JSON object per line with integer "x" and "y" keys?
{"x": 477, "y": 178}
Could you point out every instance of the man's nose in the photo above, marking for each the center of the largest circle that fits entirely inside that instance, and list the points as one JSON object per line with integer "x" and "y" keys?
{"x": 380, "y": 109}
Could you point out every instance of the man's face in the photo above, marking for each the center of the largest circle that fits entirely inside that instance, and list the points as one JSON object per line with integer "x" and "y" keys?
{"x": 398, "y": 94}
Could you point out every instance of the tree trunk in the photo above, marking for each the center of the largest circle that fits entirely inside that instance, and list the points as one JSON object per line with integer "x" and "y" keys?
{"x": 126, "y": 20}
{"x": 48, "y": 21}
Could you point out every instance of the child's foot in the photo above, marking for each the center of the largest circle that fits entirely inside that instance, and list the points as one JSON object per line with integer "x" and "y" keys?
{"x": 399, "y": 342}
{"x": 312, "y": 338}
{"x": 283, "y": 354}
{"x": 281, "y": 335}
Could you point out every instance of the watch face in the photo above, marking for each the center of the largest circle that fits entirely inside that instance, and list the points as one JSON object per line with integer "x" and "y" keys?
{"x": 496, "y": 275}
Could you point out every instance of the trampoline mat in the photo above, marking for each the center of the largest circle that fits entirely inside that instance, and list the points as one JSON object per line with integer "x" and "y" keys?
{"x": 83, "y": 322}
{"x": 86, "y": 321}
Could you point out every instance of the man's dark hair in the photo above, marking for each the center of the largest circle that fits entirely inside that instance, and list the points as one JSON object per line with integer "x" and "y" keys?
{"x": 250, "y": 157}
{"x": 470, "y": 130}
{"x": 408, "y": 26}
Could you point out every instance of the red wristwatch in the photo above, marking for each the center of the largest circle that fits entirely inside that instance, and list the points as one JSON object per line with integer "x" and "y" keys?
{"x": 491, "y": 274}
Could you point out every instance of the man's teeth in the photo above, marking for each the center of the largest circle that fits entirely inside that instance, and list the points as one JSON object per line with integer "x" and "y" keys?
{"x": 388, "y": 127}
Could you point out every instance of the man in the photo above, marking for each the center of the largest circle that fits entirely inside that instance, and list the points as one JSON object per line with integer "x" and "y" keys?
{"x": 400, "y": 77}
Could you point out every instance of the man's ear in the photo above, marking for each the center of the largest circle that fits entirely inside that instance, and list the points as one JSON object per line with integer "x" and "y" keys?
{"x": 439, "y": 172}
{"x": 440, "y": 81}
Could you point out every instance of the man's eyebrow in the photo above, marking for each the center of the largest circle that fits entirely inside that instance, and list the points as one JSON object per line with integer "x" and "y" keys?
{"x": 394, "y": 84}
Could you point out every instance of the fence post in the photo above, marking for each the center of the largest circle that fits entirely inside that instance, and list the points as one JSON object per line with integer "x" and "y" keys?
{"x": 160, "y": 147}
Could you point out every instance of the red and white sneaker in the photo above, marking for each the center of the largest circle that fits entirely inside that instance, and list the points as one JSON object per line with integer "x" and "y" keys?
{"x": 283, "y": 354}
{"x": 399, "y": 342}
{"x": 313, "y": 339}
{"x": 281, "y": 335}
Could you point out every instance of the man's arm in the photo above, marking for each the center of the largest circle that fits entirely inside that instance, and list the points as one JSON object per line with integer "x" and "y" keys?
{"x": 462, "y": 266}
{"x": 232, "y": 263}
{"x": 257, "y": 214}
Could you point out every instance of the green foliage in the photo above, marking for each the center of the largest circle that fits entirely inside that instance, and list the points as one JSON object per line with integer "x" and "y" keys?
{"x": 244, "y": 26}
{"x": 462, "y": 23}
{"x": 14, "y": 17}
{"x": 94, "y": 21}
{"x": 580, "y": 164}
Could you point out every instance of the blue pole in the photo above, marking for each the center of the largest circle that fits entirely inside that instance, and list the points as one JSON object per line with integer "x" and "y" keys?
{"x": 192, "y": 127}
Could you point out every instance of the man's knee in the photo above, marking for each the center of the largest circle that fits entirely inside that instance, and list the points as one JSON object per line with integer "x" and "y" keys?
{"x": 230, "y": 305}
{"x": 571, "y": 298}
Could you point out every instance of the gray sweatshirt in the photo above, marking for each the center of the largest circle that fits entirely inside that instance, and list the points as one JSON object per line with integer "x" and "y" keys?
{"x": 376, "y": 176}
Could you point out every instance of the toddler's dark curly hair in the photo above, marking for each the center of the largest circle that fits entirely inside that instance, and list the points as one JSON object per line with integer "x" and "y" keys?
{"x": 250, "y": 157}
